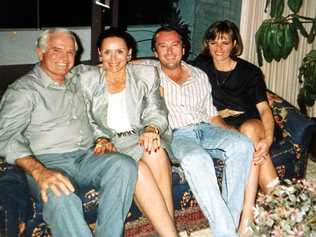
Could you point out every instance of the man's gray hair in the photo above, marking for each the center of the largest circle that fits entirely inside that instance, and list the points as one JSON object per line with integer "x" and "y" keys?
{"x": 41, "y": 42}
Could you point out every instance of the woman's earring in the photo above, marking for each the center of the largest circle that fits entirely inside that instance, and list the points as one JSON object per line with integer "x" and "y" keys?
{"x": 100, "y": 59}
{"x": 129, "y": 57}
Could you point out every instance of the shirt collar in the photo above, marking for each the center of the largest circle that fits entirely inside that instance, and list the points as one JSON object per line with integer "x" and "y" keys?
{"x": 48, "y": 82}
{"x": 186, "y": 66}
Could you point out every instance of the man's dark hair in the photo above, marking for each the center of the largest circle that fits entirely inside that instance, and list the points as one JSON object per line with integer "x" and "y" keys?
{"x": 183, "y": 36}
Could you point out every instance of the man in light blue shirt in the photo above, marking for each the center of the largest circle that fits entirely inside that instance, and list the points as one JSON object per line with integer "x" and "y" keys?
{"x": 44, "y": 129}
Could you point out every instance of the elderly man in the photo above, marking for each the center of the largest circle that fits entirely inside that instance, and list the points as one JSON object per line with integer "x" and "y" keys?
{"x": 44, "y": 129}
{"x": 199, "y": 133}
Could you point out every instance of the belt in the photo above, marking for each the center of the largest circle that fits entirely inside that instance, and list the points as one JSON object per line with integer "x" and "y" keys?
{"x": 127, "y": 133}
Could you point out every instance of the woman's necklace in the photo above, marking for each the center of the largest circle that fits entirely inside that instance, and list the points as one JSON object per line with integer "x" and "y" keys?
{"x": 222, "y": 76}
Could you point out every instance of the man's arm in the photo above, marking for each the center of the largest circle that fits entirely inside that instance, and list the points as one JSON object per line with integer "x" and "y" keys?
{"x": 15, "y": 116}
{"x": 152, "y": 62}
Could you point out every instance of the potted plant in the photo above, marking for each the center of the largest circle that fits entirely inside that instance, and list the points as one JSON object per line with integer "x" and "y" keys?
{"x": 288, "y": 211}
{"x": 278, "y": 36}
{"x": 307, "y": 77}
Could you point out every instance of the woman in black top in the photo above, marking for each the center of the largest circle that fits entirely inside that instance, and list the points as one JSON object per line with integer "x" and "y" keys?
{"x": 239, "y": 93}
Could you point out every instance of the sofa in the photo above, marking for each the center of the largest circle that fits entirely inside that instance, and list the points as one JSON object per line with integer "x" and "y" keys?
{"x": 289, "y": 152}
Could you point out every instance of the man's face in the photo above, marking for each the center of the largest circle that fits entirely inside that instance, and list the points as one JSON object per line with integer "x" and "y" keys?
{"x": 169, "y": 49}
{"x": 59, "y": 56}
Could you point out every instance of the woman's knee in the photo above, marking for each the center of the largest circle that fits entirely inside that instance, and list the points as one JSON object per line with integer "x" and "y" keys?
{"x": 159, "y": 158}
{"x": 252, "y": 129}
{"x": 143, "y": 170}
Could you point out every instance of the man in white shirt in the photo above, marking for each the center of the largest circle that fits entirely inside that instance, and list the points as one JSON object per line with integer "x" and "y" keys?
{"x": 199, "y": 133}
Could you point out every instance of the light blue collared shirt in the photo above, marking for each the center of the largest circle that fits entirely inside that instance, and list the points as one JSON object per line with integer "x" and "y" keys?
{"x": 39, "y": 116}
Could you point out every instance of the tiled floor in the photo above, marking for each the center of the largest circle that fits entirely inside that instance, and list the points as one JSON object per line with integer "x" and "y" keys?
{"x": 311, "y": 170}
{"x": 200, "y": 233}
{"x": 310, "y": 175}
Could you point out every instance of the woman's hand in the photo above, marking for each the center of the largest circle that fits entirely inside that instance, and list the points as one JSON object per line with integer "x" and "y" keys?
{"x": 102, "y": 146}
{"x": 150, "y": 141}
{"x": 261, "y": 151}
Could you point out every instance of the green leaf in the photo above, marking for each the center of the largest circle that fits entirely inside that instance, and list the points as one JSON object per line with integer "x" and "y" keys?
{"x": 312, "y": 33}
{"x": 294, "y": 35}
{"x": 277, "y": 8}
{"x": 294, "y": 5}
{"x": 267, "y": 4}
{"x": 299, "y": 26}
{"x": 311, "y": 55}
{"x": 259, "y": 42}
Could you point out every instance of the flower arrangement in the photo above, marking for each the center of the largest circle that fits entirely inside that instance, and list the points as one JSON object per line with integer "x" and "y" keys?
{"x": 288, "y": 211}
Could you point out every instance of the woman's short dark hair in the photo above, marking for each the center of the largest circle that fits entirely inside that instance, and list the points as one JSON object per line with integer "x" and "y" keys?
{"x": 120, "y": 33}
{"x": 183, "y": 37}
{"x": 223, "y": 27}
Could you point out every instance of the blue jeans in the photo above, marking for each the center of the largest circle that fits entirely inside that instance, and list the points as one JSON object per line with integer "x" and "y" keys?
{"x": 114, "y": 177}
{"x": 193, "y": 146}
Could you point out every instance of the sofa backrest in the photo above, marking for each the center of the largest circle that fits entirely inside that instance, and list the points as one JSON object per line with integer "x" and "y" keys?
{"x": 9, "y": 73}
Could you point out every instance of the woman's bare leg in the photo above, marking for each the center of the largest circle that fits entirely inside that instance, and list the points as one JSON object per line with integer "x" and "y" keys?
{"x": 151, "y": 201}
{"x": 264, "y": 174}
{"x": 249, "y": 201}
{"x": 159, "y": 164}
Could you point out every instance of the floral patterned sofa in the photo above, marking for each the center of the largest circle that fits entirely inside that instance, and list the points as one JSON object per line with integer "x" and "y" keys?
{"x": 289, "y": 154}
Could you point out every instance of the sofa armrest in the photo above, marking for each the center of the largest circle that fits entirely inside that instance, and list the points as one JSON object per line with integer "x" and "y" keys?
{"x": 290, "y": 122}
{"x": 14, "y": 191}
{"x": 300, "y": 128}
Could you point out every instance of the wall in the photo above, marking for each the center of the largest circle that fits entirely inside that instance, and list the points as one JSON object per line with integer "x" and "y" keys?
{"x": 17, "y": 46}
{"x": 281, "y": 77}
{"x": 200, "y": 14}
